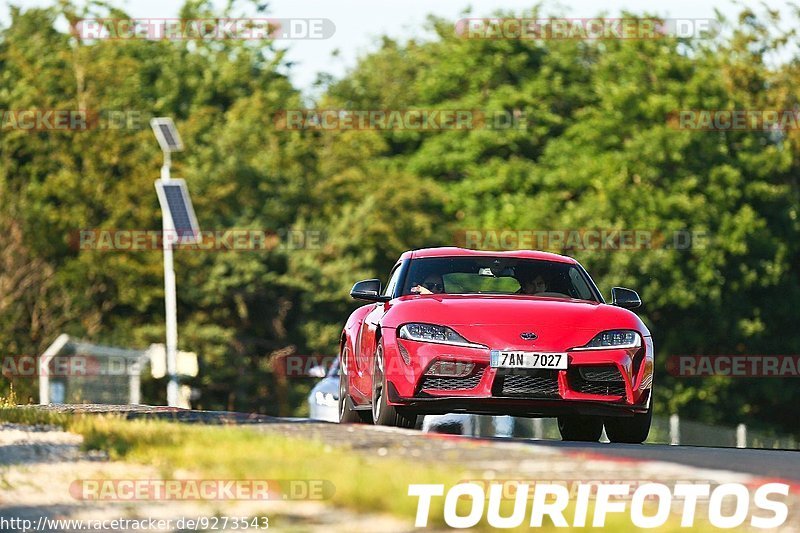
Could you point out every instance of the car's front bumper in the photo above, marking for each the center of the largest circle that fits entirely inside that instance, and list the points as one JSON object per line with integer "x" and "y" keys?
{"x": 624, "y": 387}
{"x": 481, "y": 405}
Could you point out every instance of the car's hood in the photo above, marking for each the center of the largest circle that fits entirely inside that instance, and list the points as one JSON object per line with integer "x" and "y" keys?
{"x": 500, "y": 320}
{"x": 475, "y": 310}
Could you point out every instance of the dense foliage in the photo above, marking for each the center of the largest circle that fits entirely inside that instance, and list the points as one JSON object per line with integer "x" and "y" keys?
{"x": 596, "y": 150}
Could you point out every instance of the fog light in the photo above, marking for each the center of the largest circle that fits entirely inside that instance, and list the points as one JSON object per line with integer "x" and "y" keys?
{"x": 450, "y": 369}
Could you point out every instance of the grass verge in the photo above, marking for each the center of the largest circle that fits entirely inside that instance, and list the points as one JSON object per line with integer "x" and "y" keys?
{"x": 363, "y": 483}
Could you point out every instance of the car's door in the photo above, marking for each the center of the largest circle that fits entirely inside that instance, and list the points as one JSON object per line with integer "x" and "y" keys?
{"x": 359, "y": 382}
{"x": 366, "y": 339}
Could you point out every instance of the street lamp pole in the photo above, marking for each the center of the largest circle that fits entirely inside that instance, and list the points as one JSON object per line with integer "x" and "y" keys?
{"x": 170, "y": 298}
{"x": 169, "y": 140}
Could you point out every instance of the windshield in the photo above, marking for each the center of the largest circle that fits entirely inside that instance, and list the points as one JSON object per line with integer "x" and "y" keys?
{"x": 497, "y": 275}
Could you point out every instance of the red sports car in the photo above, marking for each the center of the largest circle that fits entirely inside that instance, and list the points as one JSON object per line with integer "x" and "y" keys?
{"x": 519, "y": 333}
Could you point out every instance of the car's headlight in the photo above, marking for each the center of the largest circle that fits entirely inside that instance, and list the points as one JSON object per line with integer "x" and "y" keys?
{"x": 434, "y": 333}
{"x": 325, "y": 398}
{"x": 616, "y": 338}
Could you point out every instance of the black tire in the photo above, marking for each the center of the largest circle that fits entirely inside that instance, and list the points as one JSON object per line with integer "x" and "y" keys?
{"x": 384, "y": 414}
{"x": 580, "y": 428}
{"x": 348, "y": 415}
{"x": 629, "y": 430}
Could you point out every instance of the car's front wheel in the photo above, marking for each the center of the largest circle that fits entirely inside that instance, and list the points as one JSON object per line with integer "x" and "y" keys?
{"x": 630, "y": 430}
{"x": 384, "y": 414}
{"x": 580, "y": 428}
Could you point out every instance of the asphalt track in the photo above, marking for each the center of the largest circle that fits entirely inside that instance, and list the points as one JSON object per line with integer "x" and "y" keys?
{"x": 778, "y": 464}
{"x": 765, "y": 464}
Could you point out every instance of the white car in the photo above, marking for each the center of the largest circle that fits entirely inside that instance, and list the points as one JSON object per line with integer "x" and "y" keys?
{"x": 323, "y": 400}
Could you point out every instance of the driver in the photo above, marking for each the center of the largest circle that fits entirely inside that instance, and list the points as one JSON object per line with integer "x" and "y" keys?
{"x": 534, "y": 285}
{"x": 433, "y": 284}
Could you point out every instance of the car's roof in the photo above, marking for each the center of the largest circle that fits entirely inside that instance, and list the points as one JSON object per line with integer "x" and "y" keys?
{"x": 452, "y": 251}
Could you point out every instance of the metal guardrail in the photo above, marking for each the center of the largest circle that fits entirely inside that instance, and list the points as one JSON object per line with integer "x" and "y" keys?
{"x": 672, "y": 430}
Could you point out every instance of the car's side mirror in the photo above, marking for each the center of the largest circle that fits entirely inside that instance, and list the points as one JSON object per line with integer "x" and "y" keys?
{"x": 625, "y": 298}
{"x": 369, "y": 290}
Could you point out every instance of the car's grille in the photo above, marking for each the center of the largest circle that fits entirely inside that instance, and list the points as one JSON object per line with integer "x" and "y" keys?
{"x": 543, "y": 384}
{"x": 605, "y": 380}
{"x": 447, "y": 383}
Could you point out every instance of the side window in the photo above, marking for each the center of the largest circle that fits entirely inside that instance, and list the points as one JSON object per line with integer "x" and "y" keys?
{"x": 394, "y": 277}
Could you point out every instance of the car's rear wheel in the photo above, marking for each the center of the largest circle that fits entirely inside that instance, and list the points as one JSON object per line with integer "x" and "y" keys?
{"x": 630, "y": 430}
{"x": 384, "y": 414}
{"x": 580, "y": 428}
{"x": 348, "y": 415}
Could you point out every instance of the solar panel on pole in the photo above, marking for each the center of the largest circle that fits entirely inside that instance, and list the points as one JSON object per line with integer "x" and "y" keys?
{"x": 167, "y": 134}
{"x": 178, "y": 210}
